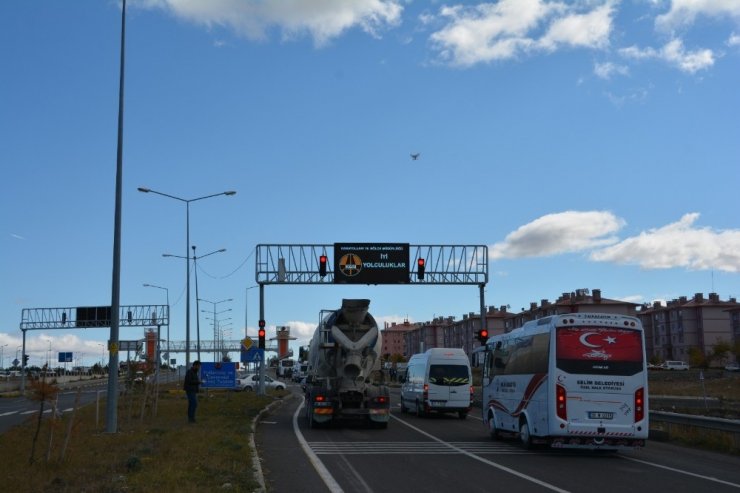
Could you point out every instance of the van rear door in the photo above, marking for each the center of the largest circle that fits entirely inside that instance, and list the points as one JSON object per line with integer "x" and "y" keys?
{"x": 449, "y": 385}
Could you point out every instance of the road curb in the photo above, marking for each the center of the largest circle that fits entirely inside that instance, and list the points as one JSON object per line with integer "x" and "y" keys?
{"x": 256, "y": 462}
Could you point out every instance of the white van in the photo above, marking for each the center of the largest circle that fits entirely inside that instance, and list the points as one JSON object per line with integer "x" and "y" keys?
{"x": 676, "y": 365}
{"x": 285, "y": 368}
{"x": 438, "y": 380}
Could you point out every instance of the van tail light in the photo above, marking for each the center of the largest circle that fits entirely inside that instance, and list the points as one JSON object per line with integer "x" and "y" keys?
{"x": 425, "y": 394}
{"x": 560, "y": 402}
{"x": 639, "y": 404}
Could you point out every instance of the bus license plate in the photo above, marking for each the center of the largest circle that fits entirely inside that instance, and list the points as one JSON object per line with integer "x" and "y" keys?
{"x": 600, "y": 415}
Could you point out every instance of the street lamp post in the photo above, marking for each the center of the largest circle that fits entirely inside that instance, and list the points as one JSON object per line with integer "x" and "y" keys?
{"x": 2, "y": 356}
{"x": 246, "y": 309}
{"x": 102, "y": 358}
{"x": 195, "y": 267}
{"x": 187, "y": 255}
{"x": 167, "y": 292}
{"x": 215, "y": 323}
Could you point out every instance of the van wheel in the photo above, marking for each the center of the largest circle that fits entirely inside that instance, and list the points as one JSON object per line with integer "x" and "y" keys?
{"x": 462, "y": 414}
{"x": 404, "y": 409}
{"x": 420, "y": 410}
{"x": 524, "y": 434}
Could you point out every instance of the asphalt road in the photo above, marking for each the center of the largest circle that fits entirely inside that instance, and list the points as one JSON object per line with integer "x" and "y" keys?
{"x": 446, "y": 454}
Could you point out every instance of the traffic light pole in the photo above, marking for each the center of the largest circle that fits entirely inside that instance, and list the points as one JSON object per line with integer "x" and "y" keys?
{"x": 483, "y": 324}
{"x": 261, "y": 385}
{"x": 23, "y": 364}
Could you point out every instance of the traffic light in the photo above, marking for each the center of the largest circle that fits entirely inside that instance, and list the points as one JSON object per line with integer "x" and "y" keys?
{"x": 322, "y": 265}
{"x": 261, "y": 334}
{"x": 25, "y": 360}
{"x": 482, "y": 336}
{"x": 421, "y": 265}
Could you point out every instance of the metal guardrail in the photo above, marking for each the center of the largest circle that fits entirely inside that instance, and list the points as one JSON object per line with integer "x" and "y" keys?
{"x": 717, "y": 424}
{"x": 697, "y": 429}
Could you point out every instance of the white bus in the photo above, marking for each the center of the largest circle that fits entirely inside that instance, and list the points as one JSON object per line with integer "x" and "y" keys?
{"x": 569, "y": 381}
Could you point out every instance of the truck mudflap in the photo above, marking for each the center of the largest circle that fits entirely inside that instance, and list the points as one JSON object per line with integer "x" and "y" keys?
{"x": 375, "y": 407}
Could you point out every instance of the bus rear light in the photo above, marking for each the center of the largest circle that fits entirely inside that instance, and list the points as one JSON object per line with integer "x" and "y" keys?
{"x": 560, "y": 402}
{"x": 639, "y": 404}
{"x": 319, "y": 398}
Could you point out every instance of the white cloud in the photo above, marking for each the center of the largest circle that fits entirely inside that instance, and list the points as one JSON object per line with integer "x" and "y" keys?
{"x": 17, "y": 237}
{"x": 589, "y": 30}
{"x": 733, "y": 40}
{"x": 510, "y": 28}
{"x": 678, "y": 244}
{"x": 252, "y": 19}
{"x": 607, "y": 69}
{"x": 673, "y": 53}
{"x": 562, "y": 232}
{"x": 685, "y": 12}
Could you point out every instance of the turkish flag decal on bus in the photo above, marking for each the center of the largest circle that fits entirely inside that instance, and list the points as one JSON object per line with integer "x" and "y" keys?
{"x": 598, "y": 343}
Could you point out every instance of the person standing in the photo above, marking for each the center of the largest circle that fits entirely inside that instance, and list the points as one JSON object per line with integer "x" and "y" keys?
{"x": 191, "y": 385}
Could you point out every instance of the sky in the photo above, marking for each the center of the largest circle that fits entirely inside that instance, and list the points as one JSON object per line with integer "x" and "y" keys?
{"x": 589, "y": 144}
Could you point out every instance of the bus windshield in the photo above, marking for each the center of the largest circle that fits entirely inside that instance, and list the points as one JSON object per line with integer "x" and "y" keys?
{"x": 448, "y": 374}
{"x": 599, "y": 350}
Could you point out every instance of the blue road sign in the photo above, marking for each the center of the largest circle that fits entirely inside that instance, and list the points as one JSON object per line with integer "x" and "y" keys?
{"x": 252, "y": 355}
{"x": 218, "y": 375}
{"x": 65, "y": 357}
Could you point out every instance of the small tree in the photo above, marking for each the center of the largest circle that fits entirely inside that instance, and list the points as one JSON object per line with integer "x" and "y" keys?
{"x": 697, "y": 358}
{"x": 721, "y": 351}
{"x": 41, "y": 391}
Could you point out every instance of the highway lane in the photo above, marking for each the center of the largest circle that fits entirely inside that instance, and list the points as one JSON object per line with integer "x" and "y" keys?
{"x": 444, "y": 453}
{"x": 16, "y": 410}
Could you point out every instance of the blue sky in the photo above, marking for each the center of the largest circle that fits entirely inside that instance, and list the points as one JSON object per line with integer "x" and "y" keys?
{"x": 590, "y": 144}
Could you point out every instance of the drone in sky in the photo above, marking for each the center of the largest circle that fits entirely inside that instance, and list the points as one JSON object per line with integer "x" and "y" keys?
{"x": 415, "y": 156}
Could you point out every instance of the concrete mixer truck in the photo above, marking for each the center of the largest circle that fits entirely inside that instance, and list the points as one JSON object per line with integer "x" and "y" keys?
{"x": 343, "y": 354}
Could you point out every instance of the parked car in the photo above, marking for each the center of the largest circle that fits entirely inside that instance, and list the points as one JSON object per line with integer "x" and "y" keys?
{"x": 675, "y": 365}
{"x": 732, "y": 367}
{"x": 251, "y": 382}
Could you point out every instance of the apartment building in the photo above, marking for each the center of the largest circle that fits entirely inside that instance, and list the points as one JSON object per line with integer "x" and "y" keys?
{"x": 683, "y": 323}
{"x": 670, "y": 330}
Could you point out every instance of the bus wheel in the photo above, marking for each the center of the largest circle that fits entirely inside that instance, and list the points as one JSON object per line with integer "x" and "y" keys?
{"x": 524, "y": 434}
{"x": 495, "y": 435}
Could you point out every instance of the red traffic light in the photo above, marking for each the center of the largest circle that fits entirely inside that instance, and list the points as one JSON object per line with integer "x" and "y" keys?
{"x": 261, "y": 336}
{"x": 322, "y": 265}
{"x": 420, "y": 267}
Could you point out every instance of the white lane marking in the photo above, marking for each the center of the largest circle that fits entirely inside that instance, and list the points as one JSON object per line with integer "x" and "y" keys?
{"x": 323, "y": 472}
{"x": 708, "y": 478}
{"x": 30, "y": 412}
{"x": 485, "y": 461}
{"x": 8, "y": 413}
{"x": 405, "y": 448}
